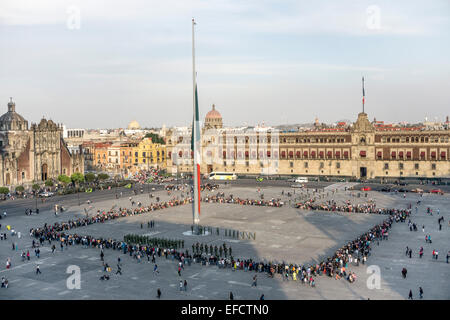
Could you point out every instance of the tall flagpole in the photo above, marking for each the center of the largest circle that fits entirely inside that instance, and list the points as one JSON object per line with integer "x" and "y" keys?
{"x": 195, "y": 142}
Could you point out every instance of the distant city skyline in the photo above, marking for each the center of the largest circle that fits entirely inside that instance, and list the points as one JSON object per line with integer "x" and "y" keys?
{"x": 102, "y": 64}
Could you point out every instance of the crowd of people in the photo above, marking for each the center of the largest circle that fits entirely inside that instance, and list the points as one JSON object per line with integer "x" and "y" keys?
{"x": 220, "y": 198}
{"x": 368, "y": 207}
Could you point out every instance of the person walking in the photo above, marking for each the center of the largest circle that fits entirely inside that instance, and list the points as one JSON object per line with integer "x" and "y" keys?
{"x": 421, "y": 292}
{"x": 155, "y": 269}
{"x": 410, "y": 296}
{"x": 262, "y": 297}
{"x": 185, "y": 285}
{"x": 231, "y": 296}
{"x": 119, "y": 269}
{"x": 158, "y": 293}
{"x": 404, "y": 272}
{"x": 254, "y": 281}
{"x": 181, "y": 285}
{"x": 38, "y": 269}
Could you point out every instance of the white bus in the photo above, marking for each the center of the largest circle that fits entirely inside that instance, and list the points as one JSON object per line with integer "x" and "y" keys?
{"x": 301, "y": 180}
{"x": 222, "y": 176}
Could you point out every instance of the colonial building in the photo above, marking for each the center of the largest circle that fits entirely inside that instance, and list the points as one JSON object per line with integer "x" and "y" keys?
{"x": 362, "y": 150}
{"x": 35, "y": 153}
{"x": 149, "y": 155}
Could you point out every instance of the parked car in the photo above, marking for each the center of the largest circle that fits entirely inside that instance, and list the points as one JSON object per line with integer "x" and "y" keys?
{"x": 437, "y": 191}
{"x": 417, "y": 190}
{"x": 46, "y": 194}
{"x": 366, "y": 188}
{"x": 297, "y": 186}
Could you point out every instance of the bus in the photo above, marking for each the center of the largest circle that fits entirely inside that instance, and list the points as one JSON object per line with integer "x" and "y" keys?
{"x": 301, "y": 180}
{"x": 222, "y": 176}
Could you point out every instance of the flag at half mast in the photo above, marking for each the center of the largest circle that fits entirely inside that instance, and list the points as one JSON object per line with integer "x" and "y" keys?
{"x": 195, "y": 142}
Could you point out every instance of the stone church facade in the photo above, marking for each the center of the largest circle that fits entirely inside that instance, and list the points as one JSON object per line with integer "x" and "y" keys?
{"x": 33, "y": 154}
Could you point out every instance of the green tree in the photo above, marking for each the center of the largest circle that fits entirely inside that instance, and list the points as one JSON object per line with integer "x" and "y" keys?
{"x": 49, "y": 183}
{"x": 103, "y": 176}
{"x": 4, "y": 190}
{"x": 89, "y": 177}
{"x": 65, "y": 180}
{"x": 36, "y": 187}
{"x": 155, "y": 138}
{"x": 20, "y": 189}
{"x": 77, "y": 177}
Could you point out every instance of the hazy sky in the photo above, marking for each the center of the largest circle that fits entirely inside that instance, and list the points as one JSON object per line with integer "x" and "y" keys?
{"x": 273, "y": 61}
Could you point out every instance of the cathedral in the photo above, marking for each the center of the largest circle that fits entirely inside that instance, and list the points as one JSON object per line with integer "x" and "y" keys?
{"x": 33, "y": 154}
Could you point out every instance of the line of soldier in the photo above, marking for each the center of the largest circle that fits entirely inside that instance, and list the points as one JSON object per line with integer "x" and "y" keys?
{"x": 156, "y": 242}
{"x": 223, "y": 250}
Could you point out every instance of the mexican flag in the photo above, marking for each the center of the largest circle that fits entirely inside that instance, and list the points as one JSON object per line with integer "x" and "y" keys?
{"x": 195, "y": 148}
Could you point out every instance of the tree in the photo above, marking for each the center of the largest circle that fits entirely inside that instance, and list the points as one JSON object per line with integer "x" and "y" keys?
{"x": 89, "y": 177}
{"x": 65, "y": 180}
{"x": 36, "y": 187}
{"x": 103, "y": 176}
{"x": 77, "y": 178}
{"x": 4, "y": 190}
{"x": 155, "y": 138}
{"x": 49, "y": 183}
{"x": 20, "y": 189}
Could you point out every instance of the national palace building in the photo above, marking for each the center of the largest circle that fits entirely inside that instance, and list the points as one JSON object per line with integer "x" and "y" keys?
{"x": 364, "y": 150}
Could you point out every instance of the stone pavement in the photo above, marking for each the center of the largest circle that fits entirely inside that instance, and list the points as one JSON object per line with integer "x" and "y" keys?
{"x": 282, "y": 234}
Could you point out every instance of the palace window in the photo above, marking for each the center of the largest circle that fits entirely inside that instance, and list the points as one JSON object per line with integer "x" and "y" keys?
{"x": 338, "y": 165}
{"x": 306, "y": 165}
{"x": 291, "y": 164}
{"x": 386, "y": 166}
{"x": 321, "y": 165}
{"x": 433, "y": 166}
{"x": 400, "y": 166}
{"x": 416, "y": 166}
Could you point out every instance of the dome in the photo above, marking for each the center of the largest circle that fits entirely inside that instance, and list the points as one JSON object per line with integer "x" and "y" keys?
{"x": 133, "y": 125}
{"x": 213, "y": 114}
{"x": 12, "y": 120}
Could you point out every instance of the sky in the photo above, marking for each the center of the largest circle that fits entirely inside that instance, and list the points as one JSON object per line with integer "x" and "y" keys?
{"x": 103, "y": 63}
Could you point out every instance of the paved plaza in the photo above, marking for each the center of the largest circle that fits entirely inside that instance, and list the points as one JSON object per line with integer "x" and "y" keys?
{"x": 283, "y": 234}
